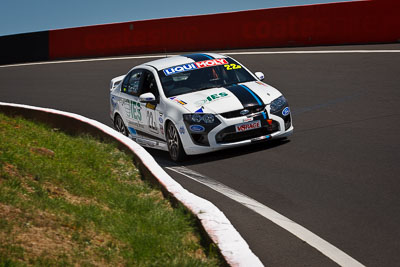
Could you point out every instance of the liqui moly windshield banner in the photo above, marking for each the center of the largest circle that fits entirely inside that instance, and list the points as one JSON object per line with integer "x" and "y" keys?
{"x": 195, "y": 65}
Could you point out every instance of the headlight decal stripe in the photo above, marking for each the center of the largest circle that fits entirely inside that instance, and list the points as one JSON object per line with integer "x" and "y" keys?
{"x": 246, "y": 97}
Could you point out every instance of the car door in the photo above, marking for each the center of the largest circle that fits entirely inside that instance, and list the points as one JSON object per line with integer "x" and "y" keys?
{"x": 153, "y": 126}
{"x": 131, "y": 109}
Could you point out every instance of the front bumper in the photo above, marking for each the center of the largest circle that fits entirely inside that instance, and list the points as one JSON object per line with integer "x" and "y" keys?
{"x": 273, "y": 126}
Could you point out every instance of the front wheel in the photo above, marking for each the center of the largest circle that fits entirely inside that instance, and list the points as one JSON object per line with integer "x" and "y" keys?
{"x": 175, "y": 147}
{"x": 119, "y": 125}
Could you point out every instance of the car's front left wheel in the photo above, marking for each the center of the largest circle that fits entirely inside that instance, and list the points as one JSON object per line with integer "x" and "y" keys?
{"x": 175, "y": 147}
{"x": 119, "y": 125}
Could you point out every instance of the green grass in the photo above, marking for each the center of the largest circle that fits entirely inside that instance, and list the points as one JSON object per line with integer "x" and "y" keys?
{"x": 68, "y": 201}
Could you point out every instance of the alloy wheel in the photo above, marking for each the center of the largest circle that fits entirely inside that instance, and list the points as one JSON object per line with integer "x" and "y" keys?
{"x": 120, "y": 126}
{"x": 173, "y": 142}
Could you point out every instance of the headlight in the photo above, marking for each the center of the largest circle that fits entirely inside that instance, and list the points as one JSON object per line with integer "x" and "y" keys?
{"x": 196, "y": 118}
{"x": 208, "y": 118}
{"x": 278, "y": 104}
{"x": 200, "y": 118}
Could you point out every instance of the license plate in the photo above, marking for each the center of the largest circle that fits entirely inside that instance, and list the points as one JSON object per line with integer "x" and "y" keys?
{"x": 248, "y": 126}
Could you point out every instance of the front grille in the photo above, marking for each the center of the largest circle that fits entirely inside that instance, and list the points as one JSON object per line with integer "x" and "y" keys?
{"x": 229, "y": 134}
{"x": 236, "y": 113}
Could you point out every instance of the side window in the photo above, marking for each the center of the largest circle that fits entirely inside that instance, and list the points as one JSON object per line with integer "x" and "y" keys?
{"x": 150, "y": 84}
{"x": 130, "y": 85}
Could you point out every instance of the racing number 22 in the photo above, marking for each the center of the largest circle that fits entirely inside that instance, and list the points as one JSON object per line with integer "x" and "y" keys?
{"x": 232, "y": 66}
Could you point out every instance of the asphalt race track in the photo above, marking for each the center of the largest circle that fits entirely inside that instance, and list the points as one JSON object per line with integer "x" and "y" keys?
{"x": 337, "y": 176}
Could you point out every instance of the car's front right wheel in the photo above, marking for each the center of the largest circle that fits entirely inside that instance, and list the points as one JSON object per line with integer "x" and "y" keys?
{"x": 174, "y": 142}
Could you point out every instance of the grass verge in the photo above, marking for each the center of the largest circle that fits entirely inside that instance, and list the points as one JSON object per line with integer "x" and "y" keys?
{"x": 67, "y": 201}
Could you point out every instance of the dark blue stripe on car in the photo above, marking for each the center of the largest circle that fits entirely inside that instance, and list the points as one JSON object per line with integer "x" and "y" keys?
{"x": 198, "y": 57}
{"x": 253, "y": 94}
{"x": 245, "y": 96}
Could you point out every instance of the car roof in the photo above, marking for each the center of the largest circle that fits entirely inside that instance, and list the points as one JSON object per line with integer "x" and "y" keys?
{"x": 167, "y": 62}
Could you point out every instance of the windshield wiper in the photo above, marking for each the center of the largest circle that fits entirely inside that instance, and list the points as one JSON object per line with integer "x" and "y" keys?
{"x": 220, "y": 85}
{"x": 203, "y": 88}
{"x": 229, "y": 84}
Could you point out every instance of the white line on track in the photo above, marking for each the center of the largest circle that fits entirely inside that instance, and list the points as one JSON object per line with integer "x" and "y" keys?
{"x": 227, "y": 53}
{"x": 299, "y": 231}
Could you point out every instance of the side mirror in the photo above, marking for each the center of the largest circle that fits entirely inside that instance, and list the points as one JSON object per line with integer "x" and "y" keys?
{"x": 260, "y": 75}
{"x": 147, "y": 98}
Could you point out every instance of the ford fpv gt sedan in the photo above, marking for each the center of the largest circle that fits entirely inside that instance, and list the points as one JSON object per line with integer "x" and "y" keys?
{"x": 197, "y": 103}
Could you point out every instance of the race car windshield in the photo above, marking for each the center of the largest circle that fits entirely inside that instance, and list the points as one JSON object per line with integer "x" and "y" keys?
{"x": 195, "y": 76}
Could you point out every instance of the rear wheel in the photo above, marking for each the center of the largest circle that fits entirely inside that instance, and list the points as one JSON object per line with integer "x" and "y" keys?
{"x": 175, "y": 147}
{"x": 119, "y": 125}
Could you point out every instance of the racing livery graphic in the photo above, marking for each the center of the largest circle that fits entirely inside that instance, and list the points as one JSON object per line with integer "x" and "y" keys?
{"x": 197, "y": 103}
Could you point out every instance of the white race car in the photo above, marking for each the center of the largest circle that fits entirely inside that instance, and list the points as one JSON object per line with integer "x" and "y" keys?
{"x": 197, "y": 103}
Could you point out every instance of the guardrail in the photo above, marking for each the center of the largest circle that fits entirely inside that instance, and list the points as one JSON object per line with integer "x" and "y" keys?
{"x": 355, "y": 22}
{"x": 218, "y": 228}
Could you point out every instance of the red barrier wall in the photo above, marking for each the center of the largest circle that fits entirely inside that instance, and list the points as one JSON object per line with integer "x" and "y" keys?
{"x": 374, "y": 21}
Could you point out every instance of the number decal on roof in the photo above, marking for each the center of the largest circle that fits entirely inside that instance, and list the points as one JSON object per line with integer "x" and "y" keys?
{"x": 232, "y": 66}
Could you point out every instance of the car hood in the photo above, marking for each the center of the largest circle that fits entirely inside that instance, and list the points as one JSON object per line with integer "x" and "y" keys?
{"x": 225, "y": 99}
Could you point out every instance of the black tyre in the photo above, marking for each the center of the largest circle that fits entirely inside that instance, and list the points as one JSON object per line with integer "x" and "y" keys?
{"x": 119, "y": 125}
{"x": 175, "y": 147}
